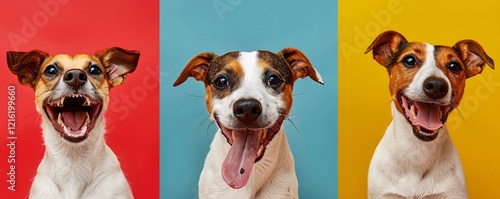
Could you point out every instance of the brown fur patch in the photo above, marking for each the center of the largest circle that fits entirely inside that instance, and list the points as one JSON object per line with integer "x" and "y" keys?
{"x": 402, "y": 76}
{"x": 444, "y": 55}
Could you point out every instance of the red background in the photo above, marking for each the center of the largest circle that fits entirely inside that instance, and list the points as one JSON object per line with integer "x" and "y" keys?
{"x": 71, "y": 27}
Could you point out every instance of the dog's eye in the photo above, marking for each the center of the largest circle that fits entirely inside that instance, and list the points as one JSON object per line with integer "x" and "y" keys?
{"x": 274, "y": 81}
{"x": 221, "y": 83}
{"x": 95, "y": 70}
{"x": 454, "y": 67}
{"x": 410, "y": 61}
{"x": 50, "y": 70}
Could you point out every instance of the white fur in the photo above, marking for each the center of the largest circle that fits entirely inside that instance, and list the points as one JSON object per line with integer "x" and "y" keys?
{"x": 401, "y": 160}
{"x": 428, "y": 68}
{"x": 274, "y": 175}
{"x": 404, "y": 166}
{"x": 86, "y": 170}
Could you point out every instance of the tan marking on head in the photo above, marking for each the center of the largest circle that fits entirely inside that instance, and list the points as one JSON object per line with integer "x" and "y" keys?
{"x": 287, "y": 97}
{"x": 444, "y": 55}
{"x": 400, "y": 76}
{"x": 209, "y": 98}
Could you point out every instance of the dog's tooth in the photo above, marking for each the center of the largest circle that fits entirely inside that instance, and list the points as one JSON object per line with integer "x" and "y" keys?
{"x": 412, "y": 111}
{"x": 88, "y": 118}
{"x": 260, "y": 150}
{"x": 59, "y": 119}
{"x": 87, "y": 100}
{"x": 61, "y": 102}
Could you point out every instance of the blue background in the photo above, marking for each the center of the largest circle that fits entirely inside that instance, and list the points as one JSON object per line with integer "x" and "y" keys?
{"x": 188, "y": 28}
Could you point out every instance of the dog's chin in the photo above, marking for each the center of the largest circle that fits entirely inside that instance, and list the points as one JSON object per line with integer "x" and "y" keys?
{"x": 425, "y": 118}
{"x": 248, "y": 146}
{"x": 73, "y": 116}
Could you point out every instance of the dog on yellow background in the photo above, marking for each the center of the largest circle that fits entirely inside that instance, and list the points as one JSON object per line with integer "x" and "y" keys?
{"x": 416, "y": 157}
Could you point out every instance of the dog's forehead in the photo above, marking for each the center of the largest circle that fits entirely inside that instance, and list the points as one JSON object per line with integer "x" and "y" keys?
{"x": 66, "y": 61}
{"x": 241, "y": 61}
{"x": 424, "y": 49}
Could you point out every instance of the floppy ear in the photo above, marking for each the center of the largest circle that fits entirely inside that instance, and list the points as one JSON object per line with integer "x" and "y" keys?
{"x": 26, "y": 65}
{"x": 300, "y": 65}
{"x": 118, "y": 62}
{"x": 385, "y": 46}
{"x": 196, "y": 68}
{"x": 473, "y": 56}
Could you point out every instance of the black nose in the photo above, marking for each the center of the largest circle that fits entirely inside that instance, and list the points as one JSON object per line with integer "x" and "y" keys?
{"x": 435, "y": 88}
{"x": 247, "y": 110}
{"x": 75, "y": 78}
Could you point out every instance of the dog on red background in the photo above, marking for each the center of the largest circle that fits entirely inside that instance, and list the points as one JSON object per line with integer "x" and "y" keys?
{"x": 249, "y": 95}
{"x": 71, "y": 95}
{"x": 416, "y": 157}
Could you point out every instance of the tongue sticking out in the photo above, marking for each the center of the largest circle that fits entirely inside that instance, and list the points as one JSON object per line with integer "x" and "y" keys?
{"x": 74, "y": 120}
{"x": 240, "y": 159}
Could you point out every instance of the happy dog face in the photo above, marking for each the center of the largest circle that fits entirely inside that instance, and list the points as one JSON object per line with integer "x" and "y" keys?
{"x": 72, "y": 91}
{"x": 427, "y": 82}
{"x": 248, "y": 95}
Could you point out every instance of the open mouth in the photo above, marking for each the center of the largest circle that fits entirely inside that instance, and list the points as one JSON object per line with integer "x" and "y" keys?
{"x": 247, "y": 147}
{"x": 73, "y": 116}
{"x": 426, "y": 118}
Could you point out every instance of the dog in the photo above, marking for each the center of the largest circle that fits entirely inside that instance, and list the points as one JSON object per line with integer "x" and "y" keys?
{"x": 416, "y": 157}
{"x": 71, "y": 96}
{"x": 248, "y": 96}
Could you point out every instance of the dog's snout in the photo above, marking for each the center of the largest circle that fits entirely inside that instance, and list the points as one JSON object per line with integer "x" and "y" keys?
{"x": 247, "y": 110}
{"x": 75, "y": 78}
{"x": 435, "y": 88}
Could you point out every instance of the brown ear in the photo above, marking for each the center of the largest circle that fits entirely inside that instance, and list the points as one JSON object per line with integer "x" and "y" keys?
{"x": 26, "y": 65}
{"x": 196, "y": 68}
{"x": 385, "y": 47}
{"x": 300, "y": 65}
{"x": 118, "y": 62}
{"x": 473, "y": 56}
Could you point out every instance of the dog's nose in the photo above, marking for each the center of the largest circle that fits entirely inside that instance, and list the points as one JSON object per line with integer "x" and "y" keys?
{"x": 75, "y": 78}
{"x": 435, "y": 87}
{"x": 247, "y": 110}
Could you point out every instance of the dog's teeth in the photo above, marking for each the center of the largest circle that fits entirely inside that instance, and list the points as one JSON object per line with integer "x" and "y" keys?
{"x": 88, "y": 118}
{"x": 61, "y": 102}
{"x": 87, "y": 101}
{"x": 412, "y": 112}
{"x": 260, "y": 150}
{"x": 59, "y": 119}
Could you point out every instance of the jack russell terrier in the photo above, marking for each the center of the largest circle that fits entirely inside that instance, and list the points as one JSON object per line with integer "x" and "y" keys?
{"x": 249, "y": 95}
{"x": 416, "y": 157}
{"x": 71, "y": 95}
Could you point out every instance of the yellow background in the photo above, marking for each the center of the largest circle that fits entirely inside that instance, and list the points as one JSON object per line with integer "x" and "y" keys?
{"x": 364, "y": 99}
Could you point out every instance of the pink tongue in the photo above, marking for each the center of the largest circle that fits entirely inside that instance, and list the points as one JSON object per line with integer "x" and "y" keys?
{"x": 74, "y": 120}
{"x": 240, "y": 159}
{"x": 428, "y": 116}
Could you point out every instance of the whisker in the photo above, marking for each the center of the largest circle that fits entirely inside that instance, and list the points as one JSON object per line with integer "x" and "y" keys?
{"x": 209, "y": 125}
{"x": 303, "y": 93}
{"x": 203, "y": 121}
{"x": 461, "y": 115}
{"x": 193, "y": 95}
{"x": 293, "y": 124}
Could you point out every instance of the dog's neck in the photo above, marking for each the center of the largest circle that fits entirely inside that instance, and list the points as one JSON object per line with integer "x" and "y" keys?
{"x": 68, "y": 157}
{"x": 412, "y": 151}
